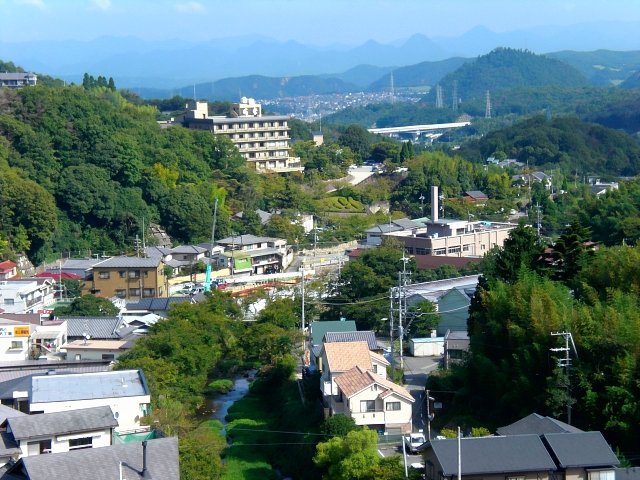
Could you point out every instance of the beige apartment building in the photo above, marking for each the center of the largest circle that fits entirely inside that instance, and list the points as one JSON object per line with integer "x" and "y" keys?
{"x": 130, "y": 278}
{"x": 263, "y": 140}
{"x": 451, "y": 237}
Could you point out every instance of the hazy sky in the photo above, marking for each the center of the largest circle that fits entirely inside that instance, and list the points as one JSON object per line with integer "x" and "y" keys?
{"x": 320, "y": 22}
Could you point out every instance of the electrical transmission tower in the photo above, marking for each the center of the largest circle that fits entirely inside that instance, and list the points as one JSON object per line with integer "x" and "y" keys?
{"x": 439, "y": 100}
{"x": 487, "y": 108}
{"x": 393, "y": 94}
{"x": 566, "y": 363}
{"x": 454, "y": 104}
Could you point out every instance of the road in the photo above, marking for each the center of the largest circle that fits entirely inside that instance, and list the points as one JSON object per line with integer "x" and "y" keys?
{"x": 416, "y": 370}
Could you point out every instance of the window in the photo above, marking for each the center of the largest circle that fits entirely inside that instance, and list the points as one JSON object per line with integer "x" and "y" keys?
{"x": 149, "y": 292}
{"x": 8, "y": 301}
{"x": 409, "y": 250}
{"x": 375, "y": 368}
{"x": 392, "y": 406}
{"x": 108, "y": 356}
{"x": 121, "y": 293}
{"x": 80, "y": 443}
{"x": 134, "y": 273}
{"x": 134, "y": 292}
{"x": 601, "y": 475}
{"x": 440, "y": 251}
{"x": 16, "y": 345}
{"x": 367, "y": 405}
{"x": 36, "y": 448}
{"x": 466, "y": 248}
{"x": 515, "y": 478}
{"x": 454, "y": 249}
{"x": 146, "y": 273}
{"x": 103, "y": 275}
{"x": 122, "y": 273}
{"x": 78, "y": 356}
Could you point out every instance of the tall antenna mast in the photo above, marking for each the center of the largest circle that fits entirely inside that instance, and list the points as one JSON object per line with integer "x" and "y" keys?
{"x": 487, "y": 108}
{"x": 566, "y": 363}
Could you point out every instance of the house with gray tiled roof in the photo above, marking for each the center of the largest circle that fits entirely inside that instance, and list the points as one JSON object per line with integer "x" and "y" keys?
{"x": 537, "y": 424}
{"x": 156, "y": 459}
{"x": 577, "y": 455}
{"x": 130, "y": 278}
{"x": 62, "y": 431}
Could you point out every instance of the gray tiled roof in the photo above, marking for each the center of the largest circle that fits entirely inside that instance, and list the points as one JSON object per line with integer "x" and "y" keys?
{"x": 99, "y": 328}
{"x": 536, "y": 424}
{"x": 366, "y": 336}
{"x": 493, "y": 455}
{"x": 8, "y": 445}
{"x": 584, "y": 449}
{"x": 8, "y": 412}
{"x": 188, "y": 249}
{"x": 78, "y": 263}
{"x": 129, "y": 262}
{"x": 69, "y": 388}
{"x": 62, "y": 423}
{"x": 103, "y": 463}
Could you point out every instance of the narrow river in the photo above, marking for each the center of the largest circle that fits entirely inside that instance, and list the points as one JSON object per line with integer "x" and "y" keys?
{"x": 216, "y": 408}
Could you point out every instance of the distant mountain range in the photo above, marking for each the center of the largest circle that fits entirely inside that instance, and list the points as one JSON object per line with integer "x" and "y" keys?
{"x": 135, "y": 63}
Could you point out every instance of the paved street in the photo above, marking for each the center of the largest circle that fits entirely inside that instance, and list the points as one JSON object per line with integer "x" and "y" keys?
{"x": 416, "y": 370}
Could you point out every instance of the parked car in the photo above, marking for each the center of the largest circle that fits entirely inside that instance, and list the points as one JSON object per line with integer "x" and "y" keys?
{"x": 414, "y": 441}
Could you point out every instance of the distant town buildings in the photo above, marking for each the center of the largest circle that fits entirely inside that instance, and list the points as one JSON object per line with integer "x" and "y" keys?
{"x": 263, "y": 140}
{"x": 18, "y": 79}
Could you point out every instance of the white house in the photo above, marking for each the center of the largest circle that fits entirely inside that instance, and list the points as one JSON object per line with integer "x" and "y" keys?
{"x": 373, "y": 401}
{"x": 96, "y": 349}
{"x": 62, "y": 431}
{"x": 125, "y": 391}
{"x": 14, "y": 340}
{"x": 27, "y": 295}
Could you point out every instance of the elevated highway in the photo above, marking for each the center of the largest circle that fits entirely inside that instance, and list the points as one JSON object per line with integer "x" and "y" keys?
{"x": 418, "y": 129}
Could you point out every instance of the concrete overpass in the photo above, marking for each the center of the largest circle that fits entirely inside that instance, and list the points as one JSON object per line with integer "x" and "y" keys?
{"x": 418, "y": 129}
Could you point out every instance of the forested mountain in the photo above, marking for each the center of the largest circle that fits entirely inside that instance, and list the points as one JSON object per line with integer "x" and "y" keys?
{"x": 421, "y": 74}
{"x": 256, "y": 86}
{"x": 504, "y": 69}
{"x": 623, "y": 113}
{"x": 564, "y": 142}
{"x": 82, "y": 168}
{"x": 601, "y": 67}
{"x": 632, "y": 82}
{"x": 361, "y": 75}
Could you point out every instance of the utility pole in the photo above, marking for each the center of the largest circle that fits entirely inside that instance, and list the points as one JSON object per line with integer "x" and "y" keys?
{"x": 315, "y": 237}
{"x": 566, "y": 364}
{"x": 430, "y": 415}
{"x": 402, "y": 305}
{"x": 302, "y": 316}
{"x": 539, "y": 224}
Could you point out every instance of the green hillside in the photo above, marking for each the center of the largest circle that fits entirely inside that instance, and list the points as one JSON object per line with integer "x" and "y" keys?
{"x": 82, "y": 168}
{"x": 421, "y": 74}
{"x": 601, "y": 67}
{"x": 504, "y": 69}
{"x": 565, "y": 142}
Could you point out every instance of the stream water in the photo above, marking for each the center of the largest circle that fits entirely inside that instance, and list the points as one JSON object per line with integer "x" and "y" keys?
{"x": 216, "y": 408}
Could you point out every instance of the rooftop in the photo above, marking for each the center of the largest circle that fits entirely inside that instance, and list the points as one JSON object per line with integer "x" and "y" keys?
{"x": 247, "y": 240}
{"x": 344, "y": 356}
{"x": 95, "y": 327}
{"x": 97, "y": 345}
{"x": 129, "y": 262}
{"x": 535, "y": 424}
{"x": 85, "y": 386}
{"x": 103, "y": 463}
{"x": 357, "y": 379}
{"x": 62, "y": 423}
{"x": 582, "y": 449}
{"x": 353, "y": 336}
{"x": 319, "y": 329}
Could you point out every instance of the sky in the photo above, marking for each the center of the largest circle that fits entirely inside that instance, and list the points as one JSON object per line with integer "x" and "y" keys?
{"x": 317, "y": 22}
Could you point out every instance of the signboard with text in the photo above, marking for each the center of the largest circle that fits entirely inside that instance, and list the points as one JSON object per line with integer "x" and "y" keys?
{"x": 21, "y": 331}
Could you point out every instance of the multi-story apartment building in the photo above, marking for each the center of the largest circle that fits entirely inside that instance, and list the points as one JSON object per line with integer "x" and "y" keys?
{"x": 263, "y": 140}
{"x": 130, "y": 278}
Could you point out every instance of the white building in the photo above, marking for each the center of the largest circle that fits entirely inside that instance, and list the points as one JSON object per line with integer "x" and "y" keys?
{"x": 96, "y": 349}
{"x": 27, "y": 295}
{"x": 14, "y": 340}
{"x": 125, "y": 391}
{"x": 263, "y": 140}
{"x": 62, "y": 431}
{"x": 18, "y": 79}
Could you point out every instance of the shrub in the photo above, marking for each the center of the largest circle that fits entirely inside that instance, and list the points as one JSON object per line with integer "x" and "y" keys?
{"x": 222, "y": 385}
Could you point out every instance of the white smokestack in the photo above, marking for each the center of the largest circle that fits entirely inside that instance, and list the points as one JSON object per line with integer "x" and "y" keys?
{"x": 434, "y": 204}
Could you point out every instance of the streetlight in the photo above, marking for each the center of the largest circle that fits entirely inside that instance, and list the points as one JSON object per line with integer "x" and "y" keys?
{"x": 421, "y": 203}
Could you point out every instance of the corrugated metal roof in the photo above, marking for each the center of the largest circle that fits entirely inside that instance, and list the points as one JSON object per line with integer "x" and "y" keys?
{"x": 129, "y": 262}
{"x": 62, "y": 423}
{"x": 353, "y": 336}
{"x": 85, "y": 386}
{"x": 96, "y": 327}
{"x": 319, "y": 329}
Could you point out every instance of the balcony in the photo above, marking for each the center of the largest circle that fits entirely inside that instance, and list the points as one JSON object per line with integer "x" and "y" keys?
{"x": 369, "y": 418}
